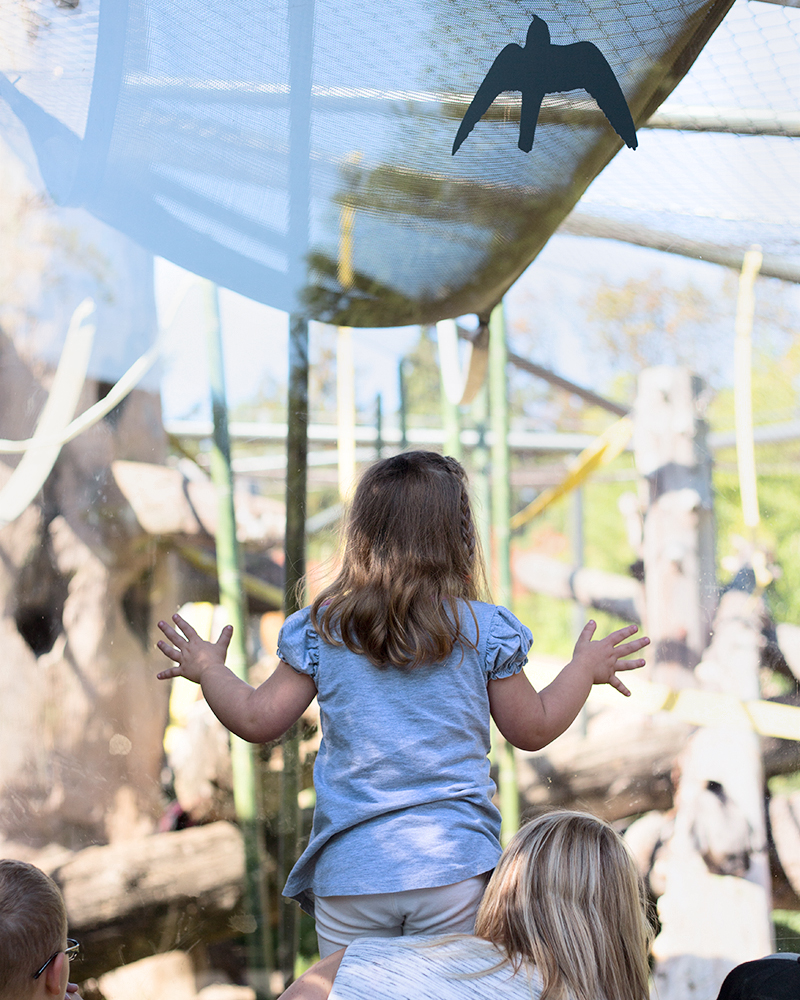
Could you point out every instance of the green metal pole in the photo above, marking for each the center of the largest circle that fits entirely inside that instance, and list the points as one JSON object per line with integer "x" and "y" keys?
{"x": 379, "y": 427}
{"x": 451, "y": 422}
{"x": 481, "y": 489}
{"x": 294, "y": 572}
{"x": 231, "y": 593}
{"x": 301, "y": 16}
{"x": 403, "y": 394}
{"x": 501, "y": 538}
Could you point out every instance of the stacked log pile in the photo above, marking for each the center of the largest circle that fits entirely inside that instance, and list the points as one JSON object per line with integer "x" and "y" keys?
{"x": 696, "y": 796}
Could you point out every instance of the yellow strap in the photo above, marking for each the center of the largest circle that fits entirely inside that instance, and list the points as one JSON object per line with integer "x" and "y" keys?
{"x": 711, "y": 708}
{"x": 605, "y": 449}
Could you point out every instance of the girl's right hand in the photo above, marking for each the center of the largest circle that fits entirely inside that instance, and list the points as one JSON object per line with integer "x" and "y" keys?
{"x": 604, "y": 657}
{"x": 193, "y": 655}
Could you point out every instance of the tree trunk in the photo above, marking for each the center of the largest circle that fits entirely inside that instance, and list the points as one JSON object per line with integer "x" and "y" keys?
{"x": 715, "y": 910}
{"x": 81, "y": 584}
{"x": 619, "y": 595}
{"x": 623, "y": 764}
{"x": 678, "y": 541}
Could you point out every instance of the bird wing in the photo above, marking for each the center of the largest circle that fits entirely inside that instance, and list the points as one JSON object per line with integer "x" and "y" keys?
{"x": 584, "y": 65}
{"x": 506, "y": 73}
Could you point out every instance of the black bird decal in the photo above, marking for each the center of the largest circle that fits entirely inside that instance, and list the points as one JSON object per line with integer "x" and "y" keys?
{"x": 541, "y": 68}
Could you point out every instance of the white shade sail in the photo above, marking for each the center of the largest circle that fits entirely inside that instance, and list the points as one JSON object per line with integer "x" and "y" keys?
{"x": 232, "y": 138}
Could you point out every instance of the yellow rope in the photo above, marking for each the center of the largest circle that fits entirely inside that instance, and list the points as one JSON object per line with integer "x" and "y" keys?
{"x": 605, "y": 449}
{"x": 711, "y": 708}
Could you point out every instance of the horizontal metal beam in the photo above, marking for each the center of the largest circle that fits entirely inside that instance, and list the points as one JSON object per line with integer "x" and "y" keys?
{"x": 766, "y": 434}
{"x": 741, "y": 121}
{"x": 556, "y": 108}
{"x": 579, "y": 224}
{"x": 532, "y": 441}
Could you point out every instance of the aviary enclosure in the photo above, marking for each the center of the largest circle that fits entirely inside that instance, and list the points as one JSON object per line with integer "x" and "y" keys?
{"x": 364, "y": 168}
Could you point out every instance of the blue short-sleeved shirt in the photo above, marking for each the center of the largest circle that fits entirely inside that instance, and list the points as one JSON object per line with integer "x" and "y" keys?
{"x": 404, "y": 795}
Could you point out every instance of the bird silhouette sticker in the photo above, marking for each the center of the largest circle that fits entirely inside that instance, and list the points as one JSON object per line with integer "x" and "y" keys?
{"x": 540, "y": 68}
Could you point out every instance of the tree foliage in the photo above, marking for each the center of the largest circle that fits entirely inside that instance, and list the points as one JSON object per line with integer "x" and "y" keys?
{"x": 646, "y": 321}
{"x": 421, "y": 375}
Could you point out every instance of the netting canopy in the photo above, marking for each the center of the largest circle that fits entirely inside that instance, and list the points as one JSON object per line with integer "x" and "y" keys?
{"x": 300, "y": 151}
{"x": 720, "y": 161}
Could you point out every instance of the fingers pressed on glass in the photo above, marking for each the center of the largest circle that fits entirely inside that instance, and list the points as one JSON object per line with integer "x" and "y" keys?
{"x": 630, "y": 664}
{"x": 185, "y": 627}
{"x": 170, "y": 651}
{"x": 623, "y": 633}
{"x": 174, "y": 637}
{"x": 632, "y": 647}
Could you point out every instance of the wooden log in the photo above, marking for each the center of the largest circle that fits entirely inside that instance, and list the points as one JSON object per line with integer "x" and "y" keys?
{"x": 623, "y": 765}
{"x": 165, "y": 502}
{"x": 165, "y": 892}
{"x": 715, "y": 908}
{"x": 619, "y": 595}
{"x": 678, "y": 541}
{"x": 788, "y": 641}
{"x": 81, "y": 585}
{"x": 784, "y": 817}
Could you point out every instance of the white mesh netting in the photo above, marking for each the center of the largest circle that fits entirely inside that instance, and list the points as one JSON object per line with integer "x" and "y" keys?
{"x": 300, "y": 153}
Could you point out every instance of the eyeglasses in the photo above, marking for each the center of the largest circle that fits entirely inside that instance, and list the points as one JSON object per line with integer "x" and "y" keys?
{"x": 71, "y": 951}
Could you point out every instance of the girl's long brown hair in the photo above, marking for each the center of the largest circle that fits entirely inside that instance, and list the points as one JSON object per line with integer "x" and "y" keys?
{"x": 410, "y": 553}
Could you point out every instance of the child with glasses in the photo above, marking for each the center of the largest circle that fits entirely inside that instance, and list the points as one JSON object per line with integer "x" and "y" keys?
{"x": 35, "y": 951}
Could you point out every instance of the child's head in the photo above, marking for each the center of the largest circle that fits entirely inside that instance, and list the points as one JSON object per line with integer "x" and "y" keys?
{"x": 410, "y": 550}
{"x": 33, "y": 928}
{"x": 566, "y": 896}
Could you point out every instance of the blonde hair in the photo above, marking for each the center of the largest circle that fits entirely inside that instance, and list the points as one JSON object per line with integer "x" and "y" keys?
{"x": 410, "y": 553}
{"x": 33, "y": 925}
{"x": 566, "y": 899}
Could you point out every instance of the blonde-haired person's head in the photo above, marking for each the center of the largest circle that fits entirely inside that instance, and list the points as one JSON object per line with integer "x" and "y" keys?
{"x": 566, "y": 898}
{"x": 33, "y": 926}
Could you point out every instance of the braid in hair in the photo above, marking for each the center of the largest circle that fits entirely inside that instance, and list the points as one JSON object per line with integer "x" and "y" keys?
{"x": 467, "y": 526}
{"x": 467, "y": 523}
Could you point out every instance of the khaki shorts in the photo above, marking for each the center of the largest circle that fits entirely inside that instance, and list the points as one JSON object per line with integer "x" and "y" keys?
{"x": 443, "y": 909}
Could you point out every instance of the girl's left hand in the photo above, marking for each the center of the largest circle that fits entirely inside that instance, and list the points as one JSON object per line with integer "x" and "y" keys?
{"x": 192, "y": 654}
{"x": 604, "y": 657}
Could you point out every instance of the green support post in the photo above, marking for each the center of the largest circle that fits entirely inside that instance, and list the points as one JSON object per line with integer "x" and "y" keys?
{"x": 403, "y": 399}
{"x": 451, "y": 422}
{"x": 294, "y": 573}
{"x": 231, "y": 594}
{"x": 578, "y": 610}
{"x": 481, "y": 483}
{"x": 501, "y": 540}
{"x": 379, "y": 427}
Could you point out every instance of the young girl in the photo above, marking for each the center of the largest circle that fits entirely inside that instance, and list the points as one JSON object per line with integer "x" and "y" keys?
{"x": 407, "y": 664}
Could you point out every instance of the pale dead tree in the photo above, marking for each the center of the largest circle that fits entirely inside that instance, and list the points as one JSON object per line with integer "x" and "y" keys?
{"x": 81, "y": 582}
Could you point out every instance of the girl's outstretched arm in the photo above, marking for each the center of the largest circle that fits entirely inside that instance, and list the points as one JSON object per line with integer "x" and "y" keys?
{"x": 255, "y": 714}
{"x": 530, "y": 719}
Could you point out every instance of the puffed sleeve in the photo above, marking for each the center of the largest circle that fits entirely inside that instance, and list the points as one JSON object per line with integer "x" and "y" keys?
{"x": 507, "y": 645}
{"x": 298, "y": 643}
